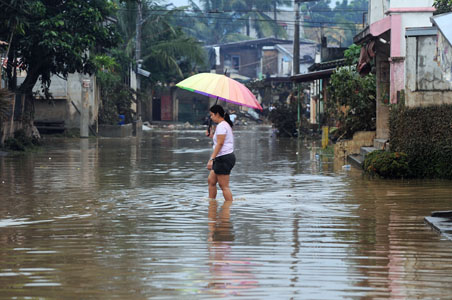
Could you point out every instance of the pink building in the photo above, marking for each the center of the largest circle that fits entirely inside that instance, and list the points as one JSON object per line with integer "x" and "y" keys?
{"x": 383, "y": 43}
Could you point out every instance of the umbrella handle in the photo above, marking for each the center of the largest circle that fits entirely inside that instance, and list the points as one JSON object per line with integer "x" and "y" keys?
{"x": 210, "y": 120}
{"x": 209, "y": 126}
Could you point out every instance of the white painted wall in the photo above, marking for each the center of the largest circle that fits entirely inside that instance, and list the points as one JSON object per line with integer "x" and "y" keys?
{"x": 426, "y": 84}
{"x": 378, "y": 8}
{"x": 413, "y": 20}
{"x": 410, "y": 3}
{"x": 74, "y": 90}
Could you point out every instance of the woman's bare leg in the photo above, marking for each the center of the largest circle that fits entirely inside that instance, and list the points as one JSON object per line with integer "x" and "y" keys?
{"x": 212, "y": 181}
{"x": 223, "y": 181}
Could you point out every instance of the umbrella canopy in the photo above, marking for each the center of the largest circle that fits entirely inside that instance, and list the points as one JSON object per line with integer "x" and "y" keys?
{"x": 221, "y": 87}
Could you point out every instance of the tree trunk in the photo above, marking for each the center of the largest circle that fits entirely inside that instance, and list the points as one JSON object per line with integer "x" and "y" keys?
{"x": 26, "y": 89}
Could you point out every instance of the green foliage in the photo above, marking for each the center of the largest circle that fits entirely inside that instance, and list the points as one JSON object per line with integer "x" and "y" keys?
{"x": 167, "y": 52}
{"x": 351, "y": 102}
{"x": 387, "y": 164}
{"x": 339, "y": 24}
{"x": 425, "y": 134}
{"x": 116, "y": 96}
{"x": 284, "y": 118}
{"x": 21, "y": 142}
{"x": 221, "y": 21}
{"x": 54, "y": 37}
{"x": 352, "y": 54}
{"x": 442, "y": 6}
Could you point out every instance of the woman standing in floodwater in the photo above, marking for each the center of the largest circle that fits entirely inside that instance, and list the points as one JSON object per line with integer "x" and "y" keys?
{"x": 222, "y": 159}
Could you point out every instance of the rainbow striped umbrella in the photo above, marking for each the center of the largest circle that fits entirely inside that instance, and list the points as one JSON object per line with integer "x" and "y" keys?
{"x": 220, "y": 87}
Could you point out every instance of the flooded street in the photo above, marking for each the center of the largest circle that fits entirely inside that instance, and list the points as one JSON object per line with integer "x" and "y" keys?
{"x": 130, "y": 219}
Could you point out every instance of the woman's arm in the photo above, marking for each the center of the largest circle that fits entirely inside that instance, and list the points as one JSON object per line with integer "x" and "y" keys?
{"x": 219, "y": 145}
{"x": 212, "y": 131}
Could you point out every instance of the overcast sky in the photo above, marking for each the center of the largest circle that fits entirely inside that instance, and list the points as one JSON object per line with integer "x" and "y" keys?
{"x": 178, "y": 2}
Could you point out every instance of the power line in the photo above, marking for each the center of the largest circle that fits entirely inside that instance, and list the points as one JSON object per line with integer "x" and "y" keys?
{"x": 265, "y": 20}
{"x": 245, "y": 11}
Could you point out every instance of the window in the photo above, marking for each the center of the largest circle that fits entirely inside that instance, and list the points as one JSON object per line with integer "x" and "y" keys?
{"x": 236, "y": 62}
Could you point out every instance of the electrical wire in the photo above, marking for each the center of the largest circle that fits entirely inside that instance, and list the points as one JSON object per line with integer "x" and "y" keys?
{"x": 246, "y": 11}
{"x": 264, "y": 20}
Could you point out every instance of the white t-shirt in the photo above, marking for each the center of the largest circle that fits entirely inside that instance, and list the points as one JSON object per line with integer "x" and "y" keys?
{"x": 223, "y": 128}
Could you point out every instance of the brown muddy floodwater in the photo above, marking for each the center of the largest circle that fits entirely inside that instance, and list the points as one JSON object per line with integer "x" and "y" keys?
{"x": 130, "y": 219}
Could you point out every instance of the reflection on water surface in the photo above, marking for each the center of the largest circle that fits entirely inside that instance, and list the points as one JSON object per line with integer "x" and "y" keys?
{"x": 130, "y": 219}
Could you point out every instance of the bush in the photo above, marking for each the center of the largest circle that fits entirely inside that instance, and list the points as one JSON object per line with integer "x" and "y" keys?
{"x": 425, "y": 135}
{"x": 351, "y": 103}
{"x": 21, "y": 142}
{"x": 284, "y": 118}
{"x": 387, "y": 164}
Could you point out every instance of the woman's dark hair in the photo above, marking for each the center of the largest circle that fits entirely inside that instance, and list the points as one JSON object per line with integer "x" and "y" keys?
{"x": 218, "y": 109}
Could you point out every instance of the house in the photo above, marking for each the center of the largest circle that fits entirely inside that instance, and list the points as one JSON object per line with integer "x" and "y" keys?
{"x": 383, "y": 43}
{"x": 256, "y": 59}
{"x": 268, "y": 58}
{"x": 318, "y": 76}
{"x": 63, "y": 111}
{"x": 429, "y": 63}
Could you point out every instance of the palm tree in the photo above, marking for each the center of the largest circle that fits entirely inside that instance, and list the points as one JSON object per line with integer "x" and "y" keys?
{"x": 212, "y": 22}
{"x": 255, "y": 10}
{"x": 168, "y": 52}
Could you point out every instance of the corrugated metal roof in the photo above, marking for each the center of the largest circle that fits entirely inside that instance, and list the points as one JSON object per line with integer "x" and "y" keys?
{"x": 313, "y": 75}
{"x": 419, "y": 31}
{"x": 444, "y": 24}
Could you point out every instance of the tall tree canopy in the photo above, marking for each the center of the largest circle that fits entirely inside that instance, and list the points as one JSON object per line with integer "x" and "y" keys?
{"x": 340, "y": 24}
{"x": 442, "y": 6}
{"x": 55, "y": 37}
{"x": 166, "y": 51}
{"x": 221, "y": 21}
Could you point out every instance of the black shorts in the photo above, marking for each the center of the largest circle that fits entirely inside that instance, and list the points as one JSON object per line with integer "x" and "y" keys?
{"x": 222, "y": 165}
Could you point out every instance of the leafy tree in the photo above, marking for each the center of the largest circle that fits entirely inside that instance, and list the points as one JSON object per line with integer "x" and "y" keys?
{"x": 211, "y": 23}
{"x": 352, "y": 54}
{"x": 221, "y": 21}
{"x": 339, "y": 24}
{"x": 167, "y": 51}
{"x": 255, "y": 10}
{"x": 442, "y": 6}
{"x": 351, "y": 101}
{"x": 54, "y": 37}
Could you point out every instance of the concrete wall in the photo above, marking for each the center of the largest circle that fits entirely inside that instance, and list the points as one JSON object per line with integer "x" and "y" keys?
{"x": 383, "y": 94}
{"x": 377, "y": 9}
{"x": 426, "y": 84}
{"x": 75, "y": 95}
{"x": 61, "y": 108}
{"x": 250, "y": 63}
{"x": 411, "y": 3}
{"x": 353, "y": 146}
{"x": 116, "y": 130}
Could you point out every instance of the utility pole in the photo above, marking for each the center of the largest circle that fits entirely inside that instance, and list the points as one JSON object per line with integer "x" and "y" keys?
{"x": 138, "y": 55}
{"x": 84, "y": 115}
{"x": 296, "y": 40}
